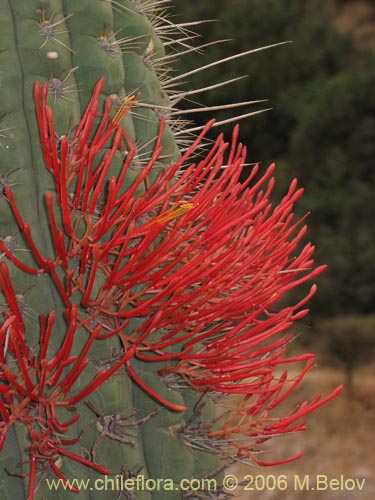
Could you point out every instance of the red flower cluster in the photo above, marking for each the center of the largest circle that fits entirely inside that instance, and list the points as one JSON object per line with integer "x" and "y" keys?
{"x": 197, "y": 257}
{"x": 34, "y": 391}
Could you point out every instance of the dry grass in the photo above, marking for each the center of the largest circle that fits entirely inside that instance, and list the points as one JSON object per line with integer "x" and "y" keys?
{"x": 340, "y": 441}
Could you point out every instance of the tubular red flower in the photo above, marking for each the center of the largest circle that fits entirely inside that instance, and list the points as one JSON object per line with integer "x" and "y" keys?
{"x": 198, "y": 258}
{"x": 35, "y": 384}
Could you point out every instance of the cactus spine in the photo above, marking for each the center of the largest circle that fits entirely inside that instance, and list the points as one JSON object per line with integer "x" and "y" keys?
{"x": 126, "y": 270}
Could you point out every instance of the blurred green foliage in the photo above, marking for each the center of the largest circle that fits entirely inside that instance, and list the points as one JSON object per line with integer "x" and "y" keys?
{"x": 320, "y": 130}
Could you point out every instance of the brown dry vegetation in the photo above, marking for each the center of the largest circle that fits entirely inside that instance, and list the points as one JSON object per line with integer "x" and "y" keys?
{"x": 358, "y": 18}
{"x": 340, "y": 440}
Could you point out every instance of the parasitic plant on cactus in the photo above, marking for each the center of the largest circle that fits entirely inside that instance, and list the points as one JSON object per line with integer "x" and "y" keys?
{"x": 141, "y": 285}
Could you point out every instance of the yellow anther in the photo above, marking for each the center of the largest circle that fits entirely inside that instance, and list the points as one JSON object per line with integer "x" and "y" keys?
{"x": 179, "y": 209}
{"x": 124, "y": 108}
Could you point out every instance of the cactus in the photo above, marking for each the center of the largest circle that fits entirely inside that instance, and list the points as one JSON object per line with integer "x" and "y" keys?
{"x": 140, "y": 286}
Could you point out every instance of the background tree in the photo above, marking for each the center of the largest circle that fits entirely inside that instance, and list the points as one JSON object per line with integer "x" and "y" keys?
{"x": 350, "y": 339}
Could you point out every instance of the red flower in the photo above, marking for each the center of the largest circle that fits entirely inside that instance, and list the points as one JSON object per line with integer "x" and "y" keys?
{"x": 195, "y": 258}
{"x": 31, "y": 393}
